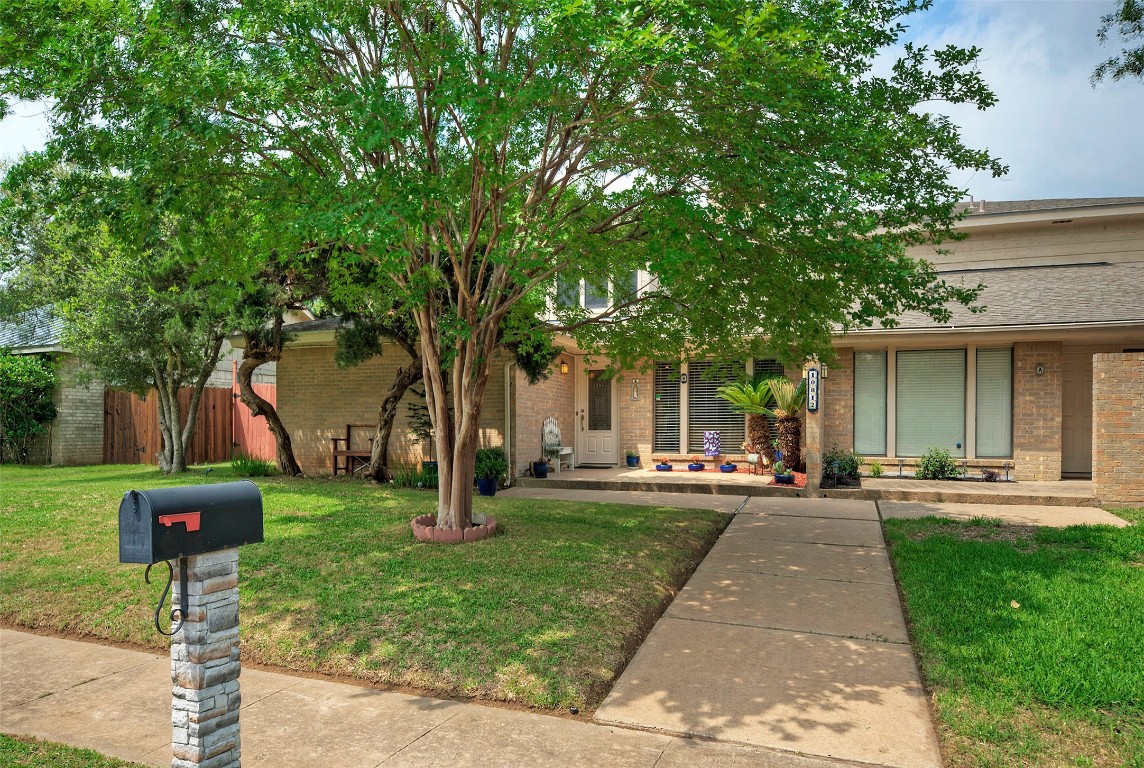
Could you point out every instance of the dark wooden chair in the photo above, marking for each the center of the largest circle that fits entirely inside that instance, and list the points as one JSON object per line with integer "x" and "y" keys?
{"x": 351, "y": 457}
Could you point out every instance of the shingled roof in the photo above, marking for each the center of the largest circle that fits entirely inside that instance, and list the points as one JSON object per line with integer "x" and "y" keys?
{"x": 32, "y": 331}
{"x": 1071, "y": 294}
{"x": 989, "y": 207}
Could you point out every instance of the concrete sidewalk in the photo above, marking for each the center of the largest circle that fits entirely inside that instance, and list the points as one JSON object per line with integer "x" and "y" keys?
{"x": 789, "y": 636}
{"x": 118, "y": 702}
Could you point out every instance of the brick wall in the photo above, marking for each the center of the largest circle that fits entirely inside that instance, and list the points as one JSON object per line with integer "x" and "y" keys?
{"x": 1118, "y": 428}
{"x": 77, "y": 432}
{"x": 1037, "y": 410}
{"x": 554, "y": 396}
{"x": 316, "y": 400}
{"x": 636, "y": 417}
{"x": 838, "y": 402}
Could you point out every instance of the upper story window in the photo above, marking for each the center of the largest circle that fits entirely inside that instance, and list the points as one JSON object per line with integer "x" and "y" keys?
{"x": 595, "y": 295}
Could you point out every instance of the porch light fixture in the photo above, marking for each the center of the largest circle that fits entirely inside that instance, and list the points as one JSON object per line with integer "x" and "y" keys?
{"x": 635, "y": 389}
{"x": 563, "y": 368}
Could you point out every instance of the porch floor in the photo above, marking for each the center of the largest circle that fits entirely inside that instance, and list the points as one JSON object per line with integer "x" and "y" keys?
{"x": 1070, "y": 493}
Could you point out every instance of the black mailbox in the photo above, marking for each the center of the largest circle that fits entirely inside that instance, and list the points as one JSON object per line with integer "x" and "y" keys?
{"x": 170, "y": 523}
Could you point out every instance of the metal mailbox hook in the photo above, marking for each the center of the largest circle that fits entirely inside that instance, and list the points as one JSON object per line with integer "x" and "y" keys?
{"x": 179, "y": 613}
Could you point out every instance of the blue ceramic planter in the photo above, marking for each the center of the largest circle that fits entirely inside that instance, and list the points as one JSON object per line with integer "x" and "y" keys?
{"x": 487, "y": 486}
{"x": 695, "y": 467}
{"x": 784, "y": 479}
{"x": 728, "y": 467}
{"x": 662, "y": 467}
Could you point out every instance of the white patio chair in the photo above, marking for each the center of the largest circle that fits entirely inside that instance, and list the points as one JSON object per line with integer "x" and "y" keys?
{"x": 551, "y": 444}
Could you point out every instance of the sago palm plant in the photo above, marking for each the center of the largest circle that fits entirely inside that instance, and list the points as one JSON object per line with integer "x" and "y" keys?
{"x": 788, "y": 401}
{"x": 752, "y": 398}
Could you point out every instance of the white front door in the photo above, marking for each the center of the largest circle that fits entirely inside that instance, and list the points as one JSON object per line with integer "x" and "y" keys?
{"x": 596, "y": 418}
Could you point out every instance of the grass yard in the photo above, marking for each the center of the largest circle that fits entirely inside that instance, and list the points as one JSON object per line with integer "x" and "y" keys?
{"x": 544, "y": 614}
{"x": 24, "y": 752}
{"x": 1031, "y": 639}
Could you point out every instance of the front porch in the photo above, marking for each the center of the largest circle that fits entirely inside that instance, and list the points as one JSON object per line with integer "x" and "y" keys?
{"x": 1069, "y": 493}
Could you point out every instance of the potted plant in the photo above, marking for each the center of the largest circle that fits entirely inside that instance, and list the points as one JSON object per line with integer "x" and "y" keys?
{"x": 633, "y": 458}
{"x": 783, "y": 477}
{"x": 664, "y": 465}
{"x": 753, "y": 398}
{"x": 540, "y": 468}
{"x": 789, "y": 399}
{"x": 491, "y": 465}
{"x": 728, "y": 466}
{"x": 696, "y": 465}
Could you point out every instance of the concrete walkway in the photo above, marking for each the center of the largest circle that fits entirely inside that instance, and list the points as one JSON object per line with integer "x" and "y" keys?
{"x": 789, "y": 636}
{"x": 118, "y": 702}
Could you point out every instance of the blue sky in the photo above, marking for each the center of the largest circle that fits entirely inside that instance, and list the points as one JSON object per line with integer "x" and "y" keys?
{"x": 1059, "y": 136}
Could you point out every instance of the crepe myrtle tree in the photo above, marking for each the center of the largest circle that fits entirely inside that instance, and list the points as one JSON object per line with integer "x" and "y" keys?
{"x": 744, "y": 155}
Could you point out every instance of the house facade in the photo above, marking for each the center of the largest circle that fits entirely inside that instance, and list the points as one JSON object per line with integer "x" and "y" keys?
{"x": 1009, "y": 387}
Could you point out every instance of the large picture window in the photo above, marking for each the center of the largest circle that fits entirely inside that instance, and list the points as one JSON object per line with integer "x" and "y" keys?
{"x": 706, "y": 412}
{"x": 931, "y": 401}
{"x": 870, "y": 403}
{"x": 995, "y": 403}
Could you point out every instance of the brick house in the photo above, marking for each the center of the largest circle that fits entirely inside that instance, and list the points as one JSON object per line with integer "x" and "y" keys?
{"x": 1064, "y": 292}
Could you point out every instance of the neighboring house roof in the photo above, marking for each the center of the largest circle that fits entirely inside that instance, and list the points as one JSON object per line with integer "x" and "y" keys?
{"x": 37, "y": 330}
{"x": 987, "y": 207}
{"x": 1072, "y": 294}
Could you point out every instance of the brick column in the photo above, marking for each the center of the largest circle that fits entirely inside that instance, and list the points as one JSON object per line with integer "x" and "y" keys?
{"x": 1037, "y": 410}
{"x": 205, "y": 665}
{"x": 813, "y": 436}
{"x": 1118, "y": 428}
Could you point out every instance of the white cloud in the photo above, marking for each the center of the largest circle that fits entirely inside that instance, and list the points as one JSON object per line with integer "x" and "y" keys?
{"x": 1059, "y": 136}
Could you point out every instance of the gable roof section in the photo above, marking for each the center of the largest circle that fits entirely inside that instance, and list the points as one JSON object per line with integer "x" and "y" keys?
{"x": 1077, "y": 295}
{"x": 36, "y": 330}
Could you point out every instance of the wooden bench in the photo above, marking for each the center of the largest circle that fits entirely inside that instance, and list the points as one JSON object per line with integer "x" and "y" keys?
{"x": 348, "y": 457}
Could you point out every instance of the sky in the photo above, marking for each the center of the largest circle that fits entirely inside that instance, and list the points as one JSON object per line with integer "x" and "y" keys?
{"x": 1059, "y": 136}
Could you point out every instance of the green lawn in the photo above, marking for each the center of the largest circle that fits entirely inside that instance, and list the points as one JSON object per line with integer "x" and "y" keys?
{"x": 23, "y": 752}
{"x": 543, "y": 614}
{"x": 1031, "y": 639}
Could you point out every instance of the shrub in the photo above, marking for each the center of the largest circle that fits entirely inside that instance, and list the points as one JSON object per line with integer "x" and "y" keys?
{"x": 414, "y": 477}
{"x": 491, "y": 463}
{"x": 841, "y": 463}
{"x": 26, "y": 408}
{"x": 936, "y": 464}
{"x": 250, "y": 466}
{"x": 876, "y": 469}
{"x": 990, "y": 475}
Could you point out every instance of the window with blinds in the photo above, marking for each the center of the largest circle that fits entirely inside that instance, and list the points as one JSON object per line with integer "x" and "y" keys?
{"x": 931, "y": 401}
{"x": 870, "y": 403}
{"x": 665, "y": 411}
{"x": 995, "y": 403}
{"x": 706, "y": 412}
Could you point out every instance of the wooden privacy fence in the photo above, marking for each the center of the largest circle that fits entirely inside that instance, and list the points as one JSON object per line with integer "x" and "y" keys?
{"x": 131, "y": 427}
{"x": 251, "y": 435}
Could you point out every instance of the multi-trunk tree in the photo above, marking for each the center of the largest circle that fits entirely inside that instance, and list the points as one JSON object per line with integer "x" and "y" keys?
{"x": 742, "y": 159}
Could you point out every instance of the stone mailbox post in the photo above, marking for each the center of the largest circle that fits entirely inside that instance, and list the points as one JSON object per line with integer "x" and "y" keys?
{"x": 200, "y": 527}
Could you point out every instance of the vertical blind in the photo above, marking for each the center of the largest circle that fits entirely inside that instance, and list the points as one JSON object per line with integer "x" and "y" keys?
{"x": 931, "y": 401}
{"x": 665, "y": 411}
{"x": 995, "y": 403}
{"x": 870, "y": 403}
{"x": 707, "y": 412}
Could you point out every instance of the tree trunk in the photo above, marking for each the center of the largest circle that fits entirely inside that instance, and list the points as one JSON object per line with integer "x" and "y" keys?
{"x": 169, "y": 459}
{"x": 456, "y": 439}
{"x": 253, "y": 356}
{"x": 386, "y": 414}
{"x": 790, "y": 439}
{"x": 759, "y": 436}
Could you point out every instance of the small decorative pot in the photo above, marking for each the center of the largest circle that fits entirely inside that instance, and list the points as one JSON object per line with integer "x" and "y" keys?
{"x": 633, "y": 461}
{"x": 487, "y": 486}
{"x": 728, "y": 467}
{"x": 662, "y": 467}
{"x": 696, "y": 466}
{"x": 540, "y": 469}
{"x": 784, "y": 479}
